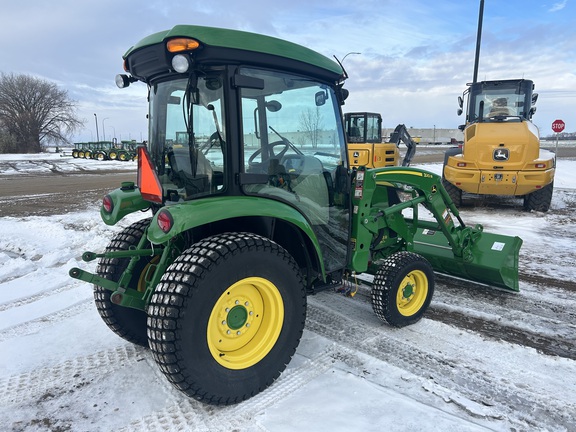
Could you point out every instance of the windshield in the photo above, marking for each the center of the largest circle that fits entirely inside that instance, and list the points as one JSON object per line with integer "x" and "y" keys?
{"x": 498, "y": 101}
{"x": 187, "y": 139}
{"x": 293, "y": 142}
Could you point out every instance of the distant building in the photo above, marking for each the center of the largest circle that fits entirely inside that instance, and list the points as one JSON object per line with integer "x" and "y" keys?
{"x": 430, "y": 135}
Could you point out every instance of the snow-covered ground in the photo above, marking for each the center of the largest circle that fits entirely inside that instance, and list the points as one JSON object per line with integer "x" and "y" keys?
{"x": 62, "y": 369}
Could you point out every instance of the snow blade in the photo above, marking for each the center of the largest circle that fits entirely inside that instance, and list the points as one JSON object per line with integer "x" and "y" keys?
{"x": 490, "y": 259}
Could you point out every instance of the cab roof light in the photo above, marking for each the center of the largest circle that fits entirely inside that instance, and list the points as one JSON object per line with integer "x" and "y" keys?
{"x": 182, "y": 44}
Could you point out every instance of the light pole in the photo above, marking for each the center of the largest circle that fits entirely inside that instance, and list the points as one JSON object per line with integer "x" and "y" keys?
{"x": 348, "y": 55}
{"x": 97, "y": 136}
{"x": 103, "y": 132}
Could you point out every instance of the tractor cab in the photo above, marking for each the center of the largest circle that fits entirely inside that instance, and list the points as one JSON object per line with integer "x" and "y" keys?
{"x": 229, "y": 122}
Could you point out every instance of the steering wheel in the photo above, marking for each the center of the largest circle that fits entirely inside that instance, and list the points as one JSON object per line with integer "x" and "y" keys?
{"x": 270, "y": 149}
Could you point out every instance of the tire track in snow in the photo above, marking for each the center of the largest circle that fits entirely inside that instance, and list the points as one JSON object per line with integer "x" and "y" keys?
{"x": 53, "y": 380}
{"x": 185, "y": 411}
{"x": 36, "y": 297}
{"x": 36, "y": 325}
{"x": 356, "y": 330}
{"x": 551, "y": 328}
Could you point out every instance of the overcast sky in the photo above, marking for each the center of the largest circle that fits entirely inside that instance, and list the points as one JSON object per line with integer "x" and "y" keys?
{"x": 416, "y": 55}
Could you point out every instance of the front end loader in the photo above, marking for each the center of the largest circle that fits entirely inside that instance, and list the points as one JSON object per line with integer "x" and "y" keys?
{"x": 248, "y": 211}
{"x": 501, "y": 154}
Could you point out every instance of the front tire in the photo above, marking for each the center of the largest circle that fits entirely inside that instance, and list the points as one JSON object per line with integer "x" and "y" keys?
{"x": 128, "y": 323}
{"x": 403, "y": 288}
{"x": 227, "y": 317}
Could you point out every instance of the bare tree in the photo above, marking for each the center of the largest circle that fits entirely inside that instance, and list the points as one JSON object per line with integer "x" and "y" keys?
{"x": 311, "y": 124}
{"x": 35, "y": 112}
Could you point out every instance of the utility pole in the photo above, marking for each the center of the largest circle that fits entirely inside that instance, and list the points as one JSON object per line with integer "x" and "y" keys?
{"x": 97, "y": 136}
{"x": 478, "y": 40}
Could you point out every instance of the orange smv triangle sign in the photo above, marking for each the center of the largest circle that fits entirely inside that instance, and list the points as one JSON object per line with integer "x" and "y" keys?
{"x": 148, "y": 182}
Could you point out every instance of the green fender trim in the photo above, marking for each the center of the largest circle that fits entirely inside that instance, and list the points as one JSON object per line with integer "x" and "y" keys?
{"x": 126, "y": 199}
{"x": 199, "y": 212}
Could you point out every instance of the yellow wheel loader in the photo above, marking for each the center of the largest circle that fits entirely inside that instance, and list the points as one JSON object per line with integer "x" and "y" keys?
{"x": 365, "y": 146}
{"x": 501, "y": 153}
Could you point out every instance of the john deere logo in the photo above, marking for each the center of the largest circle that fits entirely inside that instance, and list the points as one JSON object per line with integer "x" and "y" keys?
{"x": 501, "y": 154}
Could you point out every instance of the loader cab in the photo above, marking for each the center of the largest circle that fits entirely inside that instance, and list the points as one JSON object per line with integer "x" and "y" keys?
{"x": 365, "y": 146}
{"x": 498, "y": 101}
{"x": 363, "y": 127}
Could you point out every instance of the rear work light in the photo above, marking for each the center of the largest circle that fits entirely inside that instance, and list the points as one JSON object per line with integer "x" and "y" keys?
{"x": 540, "y": 165}
{"x": 461, "y": 164}
{"x": 165, "y": 220}
{"x": 108, "y": 204}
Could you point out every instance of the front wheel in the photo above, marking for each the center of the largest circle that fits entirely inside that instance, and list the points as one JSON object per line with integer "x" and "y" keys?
{"x": 403, "y": 288}
{"x": 226, "y": 317}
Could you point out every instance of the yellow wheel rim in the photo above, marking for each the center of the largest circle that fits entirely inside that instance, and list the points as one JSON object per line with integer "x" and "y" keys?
{"x": 245, "y": 323}
{"x": 412, "y": 293}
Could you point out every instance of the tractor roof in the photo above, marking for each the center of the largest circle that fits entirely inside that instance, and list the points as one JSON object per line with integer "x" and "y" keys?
{"x": 242, "y": 41}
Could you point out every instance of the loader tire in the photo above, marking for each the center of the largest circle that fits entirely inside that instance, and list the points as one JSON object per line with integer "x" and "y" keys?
{"x": 403, "y": 288}
{"x": 227, "y": 317}
{"x": 128, "y": 323}
{"x": 540, "y": 199}
{"x": 454, "y": 193}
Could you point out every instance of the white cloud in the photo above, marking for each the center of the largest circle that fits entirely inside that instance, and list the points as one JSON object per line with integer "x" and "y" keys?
{"x": 558, "y": 6}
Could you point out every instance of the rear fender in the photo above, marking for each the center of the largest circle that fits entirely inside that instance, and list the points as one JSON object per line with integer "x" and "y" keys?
{"x": 125, "y": 200}
{"x": 192, "y": 214}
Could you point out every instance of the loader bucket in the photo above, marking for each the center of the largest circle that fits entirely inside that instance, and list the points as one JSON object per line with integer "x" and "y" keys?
{"x": 491, "y": 259}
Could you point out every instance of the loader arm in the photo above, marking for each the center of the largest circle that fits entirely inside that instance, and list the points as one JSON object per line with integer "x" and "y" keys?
{"x": 401, "y": 134}
{"x": 383, "y": 200}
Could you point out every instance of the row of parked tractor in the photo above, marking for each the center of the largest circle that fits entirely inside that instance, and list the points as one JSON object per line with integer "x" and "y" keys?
{"x": 106, "y": 150}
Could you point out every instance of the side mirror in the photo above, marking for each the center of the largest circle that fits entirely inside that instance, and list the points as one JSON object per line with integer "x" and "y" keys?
{"x": 320, "y": 98}
{"x": 460, "y": 102}
{"x": 459, "y": 111}
{"x": 534, "y": 98}
{"x": 273, "y": 106}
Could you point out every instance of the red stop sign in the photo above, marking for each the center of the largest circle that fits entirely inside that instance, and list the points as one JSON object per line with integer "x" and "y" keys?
{"x": 558, "y": 126}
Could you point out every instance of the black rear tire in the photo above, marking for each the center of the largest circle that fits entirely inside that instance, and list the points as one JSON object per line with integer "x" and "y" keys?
{"x": 128, "y": 323}
{"x": 540, "y": 199}
{"x": 403, "y": 288}
{"x": 208, "y": 328}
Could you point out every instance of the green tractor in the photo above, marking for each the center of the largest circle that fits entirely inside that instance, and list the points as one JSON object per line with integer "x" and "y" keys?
{"x": 250, "y": 210}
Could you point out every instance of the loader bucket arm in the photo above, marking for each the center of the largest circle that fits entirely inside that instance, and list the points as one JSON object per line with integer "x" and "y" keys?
{"x": 388, "y": 202}
{"x": 401, "y": 134}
